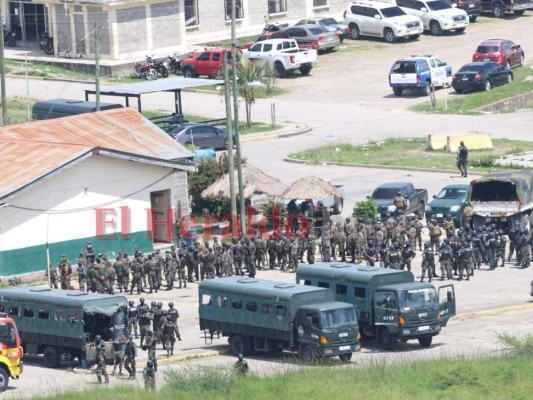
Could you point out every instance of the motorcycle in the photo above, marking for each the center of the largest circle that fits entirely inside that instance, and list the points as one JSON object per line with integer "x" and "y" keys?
{"x": 46, "y": 43}
{"x": 146, "y": 70}
{"x": 174, "y": 64}
{"x": 159, "y": 65}
{"x": 10, "y": 38}
{"x": 269, "y": 28}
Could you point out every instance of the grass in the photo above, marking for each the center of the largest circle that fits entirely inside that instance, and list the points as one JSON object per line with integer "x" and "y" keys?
{"x": 483, "y": 378}
{"x": 468, "y": 103}
{"x": 45, "y": 71}
{"x": 411, "y": 153}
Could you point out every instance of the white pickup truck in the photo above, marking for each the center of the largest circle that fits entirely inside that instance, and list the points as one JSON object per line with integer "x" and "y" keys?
{"x": 284, "y": 55}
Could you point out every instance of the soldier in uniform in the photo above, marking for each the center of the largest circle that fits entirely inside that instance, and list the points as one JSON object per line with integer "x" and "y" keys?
{"x": 152, "y": 265}
{"x": 172, "y": 268}
{"x": 174, "y": 315}
{"x": 146, "y": 317}
{"x": 419, "y": 225}
{"x": 110, "y": 276}
{"x": 326, "y": 244}
{"x": 260, "y": 250}
{"x": 370, "y": 255}
{"x": 501, "y": 248}
{"x": 311, "y": 247}
{"x": 493, "y": 245}
{"x": 149, "y": 345}
{"x": 126, "y": 271}
{"x": 241, "y": 366}
{"x": 476, "y": 246}
{"x": 462, "y": 159}
{"x": 250, "y": 257}
{"x": 90, "y": 254}
{"x": 428, "y": 262}
{"x": 149, "y": 375}
{"x": 400, "y": 203}
{"x": 182, "y": 278}
{"x": 333, "y": 235}
{"x": 448, "y": 223}
{"x": 467, "y": 215}
{"x": 395, "y": 256}
{"x": 513, "y": 232}
{"x": 434, "y": 235}
{"x": 65, "y": 271}
{"x": 119, "y": 271}
{"x": 133, "y": 319}
{"x": 136, "y": 281}
{"x": 271, "y": 248}
{"x": 130, "y": 353}
{"x": 169, "y": 338}
{"x": 100, "y": 359}
{"x": 407, "y": 256}
{"x": 159, "y": 314}
{"x": 384, "y": 255}
{"x": 279, "y": 253}
{"x": 119, "y": 346}
{"x": 217, "y": 251}
{"x": 360, "y": 242}
{"x": 525, "y": 249}
{"x": 411, "y": 235}
{"x": 293, "y": 255}
{"x": 238, "y": 256}
{"x": 209, "y": 264}
{"x": 341, "y": 242}
{"x": 52, "y": 273}
{"x": 445, "y": 256}
{"x": 82, "y": 276}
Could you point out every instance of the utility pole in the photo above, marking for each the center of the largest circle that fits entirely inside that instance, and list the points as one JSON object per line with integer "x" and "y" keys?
{"x": 231, "y": 169}
{"x": 97, "y": 64}
{"x": 5, "y": 119}
{"x": 236, "y": 115}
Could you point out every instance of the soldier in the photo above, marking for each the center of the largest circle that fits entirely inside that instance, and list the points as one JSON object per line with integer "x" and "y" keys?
{"x": 400, "y": 203}
{"x": 159, "y": 314}
{"x": 118, "y": 266}
{"x": 448, "y": 223}
{"x": 209, "y": 264}
{"x": 360, "y": 242}
{"x": 90, "y": 254}
{"x": 279, "y": 253}
{"x": 395, "y": 256}
{"x": 169, "y": 339}
{"x": 467, "y": 215}
{"x": 217, "y": 251}
{"x": 146, "y": 317}
{"x": 419, "y": 225}
{"x": 172, "y": 267}
{"x": 133, "y": 319}
{"x": 513, "y": 232}
{"x": 428, "y": 262}
{"x": 434, "y": 235}
{"x": 100, "y": 359}
{"x": 174, "y": 315}
{"x": 411, "y": 235}
{"x": 326, "y": 244}
{"x": 51, "y": 272}
{"x": 293, "y": 255}
{"x": 186, "y": 256}
{"x": 238, "y": 256}
{"x": 250, "y": 257}
{"x": 65, "y": 271}
{"x": 445, "y": 256}
{"x": 370, "y": 255}
{"x": 110, "y": 276}
{"x": 462, "y": 159}
{"x": 119, "y": 346}
{"x": 197, "y": 256}
{"x": 241, "y": 366}
{"x": 182, "y": 279}
{"x": 341, "y": 242}
{"x": 271, "y": 248}
{"x": 152, "y": 266}
{"x": 501, "y": 248}
{"x": 384, "y": 255}
{"x": 525, "y": 249}
{"x": 226, "y": 263}
{"x": 333, "y": 234}
{"x": 493, "y": 251}
{"x": 390, "y": 223}
{"x": 469, "y": 258}
{"x": 136, "y": 281}
{"x": 476, "y": 245}
{"x": 149, "y": 375}
{"x": 149, "y": 345}
{"x": 130, "y": 353}
{"x": 260, "y": 250}
{"x": 82, "y": 276}
{"x": 407, "y": 256}
{"x": 310, "y": 249}
{"x": 462, "y": 261}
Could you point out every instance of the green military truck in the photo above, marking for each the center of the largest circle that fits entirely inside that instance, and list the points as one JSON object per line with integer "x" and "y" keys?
{"x": 62, "y": 324}
{"x": 390, "y": 305}
{"x": 267, "y": 316}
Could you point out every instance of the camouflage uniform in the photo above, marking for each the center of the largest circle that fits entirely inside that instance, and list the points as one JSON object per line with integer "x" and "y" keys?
{"x": 428, "y": 262}
{"x": 100, "y": 361}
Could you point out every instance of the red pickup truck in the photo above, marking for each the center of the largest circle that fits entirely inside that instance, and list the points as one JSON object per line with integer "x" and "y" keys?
{"x": 208, "y": 63}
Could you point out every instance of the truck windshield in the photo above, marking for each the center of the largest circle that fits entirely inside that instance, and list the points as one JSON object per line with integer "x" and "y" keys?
{"x": 438, "y": 5}
{"x": 418, "y": 299}
{"x": 452, "y": 194}
{"x": 391, "y": 12}
{"x": 385, "y": 193}
{"x": 7, "y": 335}
{"x": 341, "y": 317}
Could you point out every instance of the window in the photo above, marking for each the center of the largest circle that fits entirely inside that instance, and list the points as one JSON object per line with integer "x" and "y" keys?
{"x": 320, "y": 3}
{"x": 28, "y": 312}
{"x": 277, "y": 6}
{"x": 307, "y": 282}
{"x": 216, "y": 57}
{"x": 359, "y": 291}
{"x": 239, "y": 12}
{"x": 43, "y": 314}
{"x": 222, "y": 301}
{"x": 323, "y": 284}
{"x": 73, "y": 317}
{"x": 267, "y": 47}
{"x": 191, "y": 12}
{"x": 266, "y": 308}
{"x": 236, "y": 303}
{"x": 204, "y": 56}
{"x": 206, "y": 299}
{"x": 14, "y": 311}
{"x": 251, "y": 306}
{"x": 59, "y": 316}
{"x": 281, "y": 311}
{"x": 342, "y": 289}
{"x": 256, "y": 47}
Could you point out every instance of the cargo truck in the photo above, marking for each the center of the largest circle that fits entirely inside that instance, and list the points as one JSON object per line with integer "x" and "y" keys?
{"x": 268, "y": 316}
{"x": 390, "y": 305}
{"x": 10, "y": 351}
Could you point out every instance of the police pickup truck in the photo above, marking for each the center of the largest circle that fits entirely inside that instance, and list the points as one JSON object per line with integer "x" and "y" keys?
{"x": 385, "y": 194}
{"x": 419, "y": 73}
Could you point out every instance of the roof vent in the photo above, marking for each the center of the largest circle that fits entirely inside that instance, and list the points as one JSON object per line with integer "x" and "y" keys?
{"x": 369, "y": 269}
{"x": 338, "y": 265}
{"x": 284, "y": 285}
{"x": 78, "y": 294}
{"x": 247, "y": 280}
{"x": 41, "y": 290}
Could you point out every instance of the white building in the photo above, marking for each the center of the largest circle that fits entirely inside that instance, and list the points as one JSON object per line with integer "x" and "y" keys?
{"x": 110, "y": 177}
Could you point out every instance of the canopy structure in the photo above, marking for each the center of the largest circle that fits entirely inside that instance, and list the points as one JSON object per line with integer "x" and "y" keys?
{"x": 310, "y": 187}
{"x": 255, "y": 181}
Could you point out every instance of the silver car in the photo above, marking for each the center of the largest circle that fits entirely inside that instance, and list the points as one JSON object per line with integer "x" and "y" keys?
{"x": 322, "y": 37}
{"x": 329, "y": 23}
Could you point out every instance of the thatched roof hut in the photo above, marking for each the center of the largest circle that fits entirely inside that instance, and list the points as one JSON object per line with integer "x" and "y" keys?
{"x": 310, "y": 187}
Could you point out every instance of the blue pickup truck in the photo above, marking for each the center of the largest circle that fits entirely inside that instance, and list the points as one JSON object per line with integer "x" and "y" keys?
{"x": 419, "y": 73}
{"x": 385, "y": 194}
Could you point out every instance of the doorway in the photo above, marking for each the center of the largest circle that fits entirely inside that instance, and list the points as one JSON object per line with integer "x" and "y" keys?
{"x": 160, "y": 204}
{"x": 28, "y": 19}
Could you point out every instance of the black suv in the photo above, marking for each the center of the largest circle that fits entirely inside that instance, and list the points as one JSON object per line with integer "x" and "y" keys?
{"x": 499, "y": 7}
{"x": 472, "y": 7}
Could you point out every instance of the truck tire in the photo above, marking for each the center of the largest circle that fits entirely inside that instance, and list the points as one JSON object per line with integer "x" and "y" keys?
{"x": 337, "y": 207}
{"x": 305, "y": 69}
{"x": 280, "y": 69}
{"x": 473, "y": 18}
{"x": 498, "y": 11}
{"x": 4, "y": 379}
{"x": 397, "y": 91}
{"x": 354, "y": 32}
{"x": 427, "y": 88}
{"x": 435, "y": 28}
{"x": 389, "y": 36}
{"x": 239, "y": 345}
{"x": 51, "y": 357}
{"x": 425, "y": 341}
{"x": 387, "y": 340}
{"x": 307, "y": 354}
{"x": 345, "y": 357}
{"x": 188, "y": 73}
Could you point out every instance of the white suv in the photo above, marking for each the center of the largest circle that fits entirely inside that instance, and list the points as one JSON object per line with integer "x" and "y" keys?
{"x": 437, "y": 15}
{"x": 380, "y": 19}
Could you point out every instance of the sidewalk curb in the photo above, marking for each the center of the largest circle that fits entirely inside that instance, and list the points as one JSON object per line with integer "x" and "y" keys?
{"x": 375, "y": 166}
{"x": 489, "y": 313}
{"x": 279, "y": 134}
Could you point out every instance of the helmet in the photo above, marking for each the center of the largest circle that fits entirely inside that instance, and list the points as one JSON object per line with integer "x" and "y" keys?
{"x": 240, "y": 357}
{"x": 131, "y": 303}
{"x": 130, "y": 337}
{"x": 387, "y": 215}
{"x": 150, "y": 364}
{"x": 141, "y": 300}
{"x": 97, "y": 338}
{"x": 148, "y": 332}
{"x": 348, "y": 219}
{"x": 171, "y": 304}
{"x": 448, "y": 216}
{"x": 153, "y": 304}
{"x": 426, "y": 244}
{"x": 159, "y": 305}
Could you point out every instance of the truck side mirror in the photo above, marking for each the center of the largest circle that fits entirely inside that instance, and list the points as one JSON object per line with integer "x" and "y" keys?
{"x": 423, "y": 9}
{"x": 434, "y": 196}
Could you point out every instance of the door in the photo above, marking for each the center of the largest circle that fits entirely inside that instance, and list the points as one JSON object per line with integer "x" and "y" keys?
{"x": 372, "y": 25}
{"x": 199, "y": 136}
{"x": 213, "y": 137}
{"x": 386, "y": 309}
{"x": 446, "y": 303}
{"x": 162, "y": 224}
{"x": 202, "y": 64}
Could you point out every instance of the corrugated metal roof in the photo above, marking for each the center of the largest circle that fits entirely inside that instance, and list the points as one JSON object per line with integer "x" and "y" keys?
{"x": 159, "y": 85}
{"x": 121, "y": 129}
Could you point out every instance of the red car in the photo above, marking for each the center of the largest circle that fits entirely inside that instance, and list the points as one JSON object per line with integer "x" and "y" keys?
{"x": 501, "y": 51}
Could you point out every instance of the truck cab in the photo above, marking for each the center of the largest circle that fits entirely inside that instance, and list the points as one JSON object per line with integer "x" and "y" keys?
{"x": 10, "y": 351}
{"x": 419, "y": 73}
{"x": 209, "y": 63}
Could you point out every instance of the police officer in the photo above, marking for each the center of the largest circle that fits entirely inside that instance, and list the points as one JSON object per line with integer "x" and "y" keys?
{"x": 174, "y": 315}
{"x": 149, "y": 345}
{"x": 462, "y": 159}
{"x": 241, "y": 366}
{"x": 394, "y": 256}
{"x": 407, "y": 256}
{"x": 100, "y": 359}
{"x": 149, "y": 375}
{"x": 428, "y": 262}
{"x": 119, "y": 346}
{"x": 445, "y": 257}
{"x": 169, "y": 338}
{"x": 133, "y": 319}
{"x": 146, "y": 317}
{"x": 130, "y": 353}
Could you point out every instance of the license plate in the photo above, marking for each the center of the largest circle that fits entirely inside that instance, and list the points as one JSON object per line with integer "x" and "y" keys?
{"x": 486, "y": 59}
{"x": 423, "y": 328}
{"x": 440, "y": 215}
{"x": 471, "y": 5}
{"x": 465, "y": 78}
{"x": 344, "y": 348}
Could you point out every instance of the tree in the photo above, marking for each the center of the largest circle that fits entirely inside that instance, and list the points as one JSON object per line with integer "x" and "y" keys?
{"x": 367, "y": 208}
{"x": 248, "y": 74}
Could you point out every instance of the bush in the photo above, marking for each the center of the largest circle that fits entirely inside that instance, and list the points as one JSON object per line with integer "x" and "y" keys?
{"x": 483, "y": 161}
{"x": 269, "y": 210}
{"x": 519, "y": 345}
{"x": 365, "y": 209}
{"x": 14, "y": 281}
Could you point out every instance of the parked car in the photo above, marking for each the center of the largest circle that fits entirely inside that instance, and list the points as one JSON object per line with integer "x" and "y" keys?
{"x": 419, "y": 73}
{"x": 436, "y": 15}
{"x": 481, "y": 76}
{"x": 450, "y": 201}
{"x": 501, "y": 51}
{"x": 471, "y": 7}
{"x": 302, "y": 44}
{"x": 323, "y": 37}
{"x": 201, "y": 135}
{"x": 380, "y": 19}
{"x": 208, "y": 63}
{"x": 498, "y": 7}
{"x": 328, "y": 23}
{"x": 385, "y": 194}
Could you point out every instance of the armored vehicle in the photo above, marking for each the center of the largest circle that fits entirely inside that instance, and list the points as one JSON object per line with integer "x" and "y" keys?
{"x": 390, "y": 305}
{"x": 62, "y": 324}
{"x": 261, "y": 315}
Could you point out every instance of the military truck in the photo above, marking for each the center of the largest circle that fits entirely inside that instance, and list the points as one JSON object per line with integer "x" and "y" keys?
{"x": 502, "y": 197}
{"x": 62, "y": 324}
{"x": 268, "y": 316}
{"x": 390, "y": 305}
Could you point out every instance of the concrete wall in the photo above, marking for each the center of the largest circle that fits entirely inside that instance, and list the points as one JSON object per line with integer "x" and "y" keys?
{"x": 132, "y": 30}
{"x": 73, "y": 195}
{"x": 62, "y": 33}
{"x": 97, "y": 16}
{"x": 166, "y": 23}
